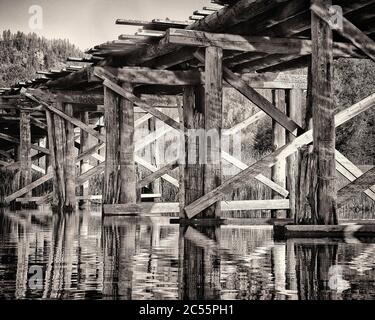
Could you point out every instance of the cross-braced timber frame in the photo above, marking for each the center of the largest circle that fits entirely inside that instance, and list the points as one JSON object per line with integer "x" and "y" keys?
{"x": 184, "y": 66}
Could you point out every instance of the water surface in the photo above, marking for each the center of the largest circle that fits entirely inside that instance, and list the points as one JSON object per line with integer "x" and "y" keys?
{"x": 81, "y": 256}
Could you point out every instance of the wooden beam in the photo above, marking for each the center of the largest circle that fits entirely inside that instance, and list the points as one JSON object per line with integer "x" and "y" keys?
{"x": 345, "y": 28}
{"x": 351, "y": 172}
{"x": 261, "y": 102}
{"x": 17, "y": 141}
{"x": 69, "y": 163}
{"x": 361, "y": 184}
{"x": 25, "y": 151}
{"x": 240, "y": 179}
{"x": 239, "y": 43}
{"x": 159, "y": 77}
{"x": 128, "y": 177}
{"x": 245, "y": 123}
{"x": 84, "y": 163}
{"x": 173, "y": 207}
{"x": 278, "y": 173}
{"x": 152, "y": 168}
{"x": 323, "y": 189}
{"x": 213, "y": 123}
{"x": 138, "y": 102}
{"x": 28, "y": 188}
{"x": 157, "y": 174}
{"x": 260, "y": 177}
{"x": 66, "y": 117}
{"x": 90, "y": 173}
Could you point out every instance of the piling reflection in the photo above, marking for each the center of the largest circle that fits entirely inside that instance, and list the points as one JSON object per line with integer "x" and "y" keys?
{"x": 199, "y": 263}
{"x": 82, "y": 256}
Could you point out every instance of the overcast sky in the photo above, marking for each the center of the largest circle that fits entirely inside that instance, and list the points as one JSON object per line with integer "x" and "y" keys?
{"x": 89, "y": 22}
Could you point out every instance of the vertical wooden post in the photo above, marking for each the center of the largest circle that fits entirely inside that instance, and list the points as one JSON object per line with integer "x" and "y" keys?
{"x": 85, "y": 164}
{"x": 52, "y": 150}
{"x": 323, "y": 189}
{"x": 70, "y": 166}
{"x": 278, "y": 140}
{"x": 110, "y": 188}
{"x": 155, "y": 158}
{"x": 128, "y": 177}
{"x": 191, "y": 170}
{"x": 295, "y": 111}
{"x": 213, "y": 124}
{"x": 25, "y": 151}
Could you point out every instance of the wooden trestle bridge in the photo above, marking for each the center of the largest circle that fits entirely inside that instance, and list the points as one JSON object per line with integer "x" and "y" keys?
{"x": 246, "y": 45}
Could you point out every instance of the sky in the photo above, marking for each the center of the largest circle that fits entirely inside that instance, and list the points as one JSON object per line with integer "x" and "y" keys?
{"x": 88, "y": 22}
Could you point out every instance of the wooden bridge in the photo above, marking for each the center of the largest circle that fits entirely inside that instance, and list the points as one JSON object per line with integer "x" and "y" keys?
{"x": 184, "y": 66}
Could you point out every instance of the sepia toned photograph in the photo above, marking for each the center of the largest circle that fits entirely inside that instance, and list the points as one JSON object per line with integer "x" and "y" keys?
{"x": 205, "y": 151}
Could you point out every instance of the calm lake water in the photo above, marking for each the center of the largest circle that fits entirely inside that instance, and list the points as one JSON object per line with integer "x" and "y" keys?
{"x": 82, "y": 256}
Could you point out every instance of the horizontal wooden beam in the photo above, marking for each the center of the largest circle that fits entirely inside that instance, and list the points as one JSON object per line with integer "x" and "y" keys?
{"x": 268, "y": 161}
{"x": 17, "y": 141}
{"x": 239, "y": 43}
{"x": 173, "y": 207}
{"x": 160, "y": 77}
{"x": 348, "y": 30}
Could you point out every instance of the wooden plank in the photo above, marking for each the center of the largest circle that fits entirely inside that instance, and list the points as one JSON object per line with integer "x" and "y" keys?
{"x": 25, "y": 177}
{"x": 239, "y": 43}
{"x": 69, "y": 163}
{"x": 346, "y": 29}
{"x": 128, "y": 177}
{"x": 159, "y": 77}
{"x": 17, "y": 141}
{"x": 157, "y": 174}
{"x": 28, "y": 188}
{"x": 277, "y": 80}
{"x": 173, "y": 207}
{"x": 142, "y": 119}
{"x": 351, "y": 172}
{"x": 323, "y": 189}
{"x": 137, "y": 101}
{"x": 278, "y": 171}
{"x": 296, "y": 112}
{"x": 111, "y": 187}
{"x": 361, "y": 184}
{"x": 152, "y": 168}
{"x": 261, "y": 102}
{"x": 90, "y": 173}
{"x": 261, "y": 178}
{"x": 241, "y": 179}
{"x": 213, "y": 123}
{"x": 66, "y": 117}
{"x": 84, "y": 163}
{"x": 245, "y": 123}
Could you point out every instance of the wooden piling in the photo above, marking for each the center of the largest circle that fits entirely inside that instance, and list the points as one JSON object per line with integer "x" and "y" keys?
{"x": 323, "y": 189}
{"x": 85, "y": 163}
{"x": 128, "y": 177}
{"x": 25, "y": 176}
{"x": 213, "y": 124}
{"x": 69, "y": 163}
{"x": 110, "y": 188}
{"x": 278, "y": 173}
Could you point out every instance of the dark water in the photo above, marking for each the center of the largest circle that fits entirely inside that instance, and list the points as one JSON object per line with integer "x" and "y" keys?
{"x": 82, "y": 257}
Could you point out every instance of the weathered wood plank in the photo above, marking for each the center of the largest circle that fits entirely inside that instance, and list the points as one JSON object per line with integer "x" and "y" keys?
{"x": 137, "y": 101}
{"x": 351, "y": 172}
{"x": 17, "y": 141}
{"x": 241, "y": 179}
{"x": 354, "y": 188}
{"x": 261, "y": 102}
{"x": 346, "y": 29}
{"x": 213, "y": 123}
{"x": 111, "y": 187}
{"x": 84, "y": 163}
{"x": 159, "y": 77}
{"x": 152, "y": 168}
{"x": 128, "y": 177}
{"x": 323, "y": 189}
{"x": 28, "y": 188}
{"x": 90, "y": 173}
{"x": 25, "y": 176}
{"x": 70, "y": 165}
{"x": 157, "y": 174}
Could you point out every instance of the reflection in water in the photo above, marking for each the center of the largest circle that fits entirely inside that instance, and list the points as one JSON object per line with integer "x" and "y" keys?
{"x": 81, "y": 256}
